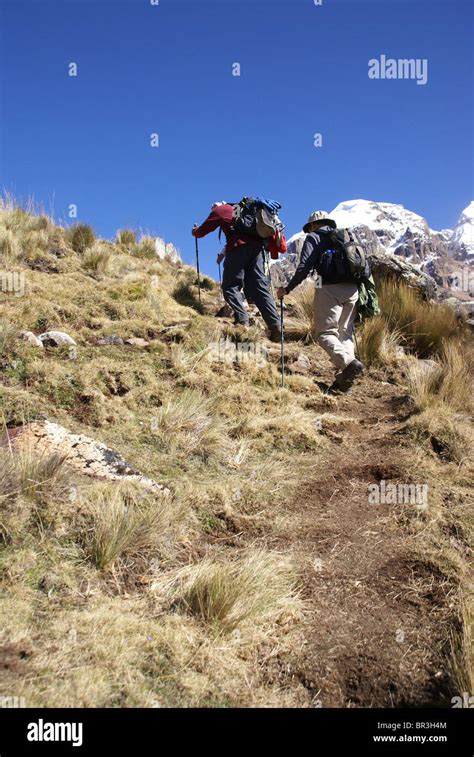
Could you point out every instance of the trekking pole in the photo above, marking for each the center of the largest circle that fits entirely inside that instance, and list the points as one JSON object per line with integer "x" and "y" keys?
{"x": 197, "y": 267}
{"x": 282, "y": 345}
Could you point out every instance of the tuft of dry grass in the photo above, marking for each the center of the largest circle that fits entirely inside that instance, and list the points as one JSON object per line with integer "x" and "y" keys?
{"x": 8, "y": 335}
{"x": 462, "y": 650}
{"x": 191, "y": 421}
{"x": 30, "y": 486}
{"x": 31, "y": 476}
{"x": 377, "y": 343}
{"x": 123, "y": 520}
{"x": 449, "y": 381}
{"x": 442, "y": 395}
{"x": 96, "y": 259}
{"x": 424, "y": 326}
{"x": 145, "y": 248}
{"x": 301, "y": 311}
{"x": 260, "y": 586}
{"x": 81, "y": 236}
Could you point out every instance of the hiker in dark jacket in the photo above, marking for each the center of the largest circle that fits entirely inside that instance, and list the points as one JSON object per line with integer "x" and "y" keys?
{"x": 244, "y": 268}
{"x": 335, "y": 304}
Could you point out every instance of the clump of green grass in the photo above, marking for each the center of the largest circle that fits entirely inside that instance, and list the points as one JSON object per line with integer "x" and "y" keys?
{"x": 424, "y": 326}
{"x": 225, "y": 595}
{"x": 81, "y": 236}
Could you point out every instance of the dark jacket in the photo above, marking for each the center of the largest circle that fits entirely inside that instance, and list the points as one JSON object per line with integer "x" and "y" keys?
{"x": 314, "y": 245}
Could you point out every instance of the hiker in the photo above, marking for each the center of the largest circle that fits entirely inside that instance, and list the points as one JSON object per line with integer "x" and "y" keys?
{"x": 336, "y": 295}
{"x": 244, "y": 266}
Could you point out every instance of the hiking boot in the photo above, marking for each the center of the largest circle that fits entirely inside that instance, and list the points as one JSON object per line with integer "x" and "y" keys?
{"x": 275, "y": 335}
{"x": 351, "y": 372}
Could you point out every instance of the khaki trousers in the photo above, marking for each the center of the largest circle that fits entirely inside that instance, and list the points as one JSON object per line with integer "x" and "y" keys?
{"x": 334, "y": 315}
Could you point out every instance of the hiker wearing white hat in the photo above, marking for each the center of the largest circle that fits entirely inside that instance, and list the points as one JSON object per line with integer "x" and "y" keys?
{"x": 331, "y": 253}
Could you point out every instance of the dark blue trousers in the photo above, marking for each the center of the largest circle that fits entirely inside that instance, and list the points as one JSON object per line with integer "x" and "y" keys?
{"x": 244, "y": 268}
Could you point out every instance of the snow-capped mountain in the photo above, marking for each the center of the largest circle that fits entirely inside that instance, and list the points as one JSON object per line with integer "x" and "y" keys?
{"x": 461, "y": 243}
{"x": 398, "y": 230}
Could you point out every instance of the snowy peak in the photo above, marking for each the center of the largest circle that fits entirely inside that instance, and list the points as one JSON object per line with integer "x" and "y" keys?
{"x": 393, "y": 224}
{"x": 462, "y": 240}
{"x": 401, "y": 232}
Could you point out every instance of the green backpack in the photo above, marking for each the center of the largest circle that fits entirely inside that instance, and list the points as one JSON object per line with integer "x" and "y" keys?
{"x": 368, "y": 303}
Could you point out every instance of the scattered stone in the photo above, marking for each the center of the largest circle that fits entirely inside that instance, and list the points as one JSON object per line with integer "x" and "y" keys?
{"x": 427, "y": 366}
{"x": 56, "y": 339}
{"x": 137, "y": 341}
{"x": 301, "y": 365}
{"x": 225, "y": 311}
{"x": 31, "y": 339}
{"x": 106, "y": 341}
{"x": 85, "y": 455}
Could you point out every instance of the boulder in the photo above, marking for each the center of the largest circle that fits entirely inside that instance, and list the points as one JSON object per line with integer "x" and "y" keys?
{"x": 57, "y": 339}
{"x": 385, "y": 266}
{"x": 31, "y": 339}
{"x": 83, "y": 454}
{"x": 427, "y": 365}
{"x": 300, "y": 365}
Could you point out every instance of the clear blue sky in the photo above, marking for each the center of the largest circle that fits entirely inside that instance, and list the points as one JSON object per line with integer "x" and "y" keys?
{"x": 168, "y": 69}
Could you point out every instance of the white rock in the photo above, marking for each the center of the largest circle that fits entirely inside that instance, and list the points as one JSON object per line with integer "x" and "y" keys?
{"x": 56, "y": 339}
{"x": 31, "y": 339}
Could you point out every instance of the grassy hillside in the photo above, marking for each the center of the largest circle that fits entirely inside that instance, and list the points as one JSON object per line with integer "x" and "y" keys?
{"x": 267, "y": 578}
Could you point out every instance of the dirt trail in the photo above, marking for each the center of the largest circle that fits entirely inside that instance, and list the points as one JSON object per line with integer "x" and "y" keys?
{"x": 377, "y": 616}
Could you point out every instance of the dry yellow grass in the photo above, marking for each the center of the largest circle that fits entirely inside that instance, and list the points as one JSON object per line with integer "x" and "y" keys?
{"x": 130, "y": 600}
{"x": 377, "y": 343}
{"x": 424, "y": 326}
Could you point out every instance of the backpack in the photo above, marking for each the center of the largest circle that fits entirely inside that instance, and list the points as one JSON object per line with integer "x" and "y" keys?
{"x": 345, "y": 258}
{"x": 368, "y": 303}
{"x": 255, "y": 221}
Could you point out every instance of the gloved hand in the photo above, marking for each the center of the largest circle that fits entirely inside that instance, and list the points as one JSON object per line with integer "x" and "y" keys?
{"x": 281, "y": 292}
{"x": 270, "y": 205}
{"x": 220, "y": 257}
